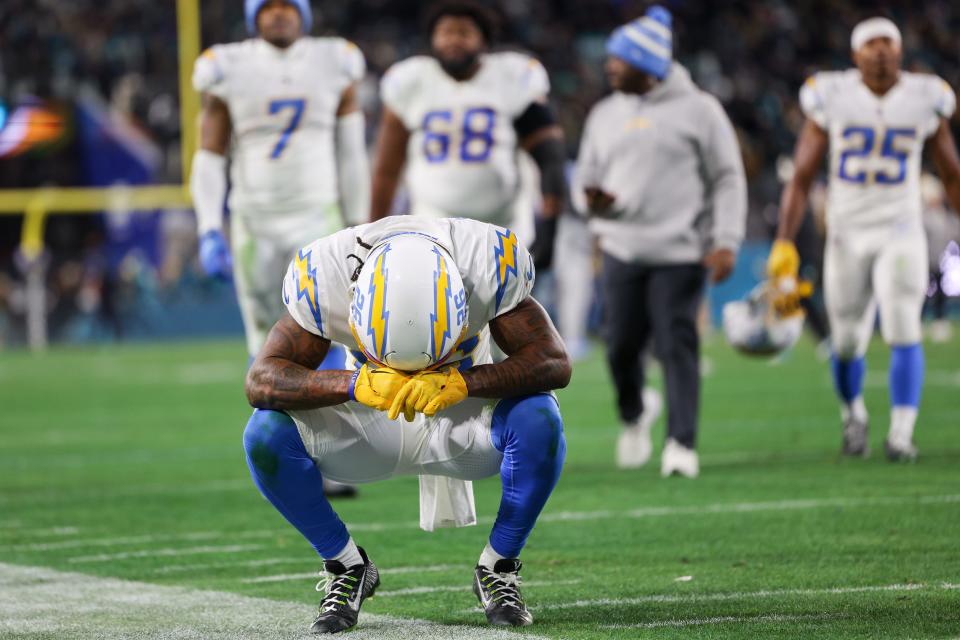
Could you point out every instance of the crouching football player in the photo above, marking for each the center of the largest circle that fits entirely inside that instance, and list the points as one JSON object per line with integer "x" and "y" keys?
{"x": 421, "y": 299}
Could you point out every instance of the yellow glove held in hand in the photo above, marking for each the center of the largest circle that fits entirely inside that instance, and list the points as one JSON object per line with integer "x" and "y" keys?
{"x": 429, "y": 392}
{"x": 378, "y": 387}
{"x": 784, "y": 261}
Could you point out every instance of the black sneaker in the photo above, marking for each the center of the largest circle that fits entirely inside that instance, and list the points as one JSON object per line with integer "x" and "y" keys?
{"x": 345, "y": 589}
{"x": 855, "y": 442}
{"x": 334, "y": 489}
{"x": 499, "y": 593}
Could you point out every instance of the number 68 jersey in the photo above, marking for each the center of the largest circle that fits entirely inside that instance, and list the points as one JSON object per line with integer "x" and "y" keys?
{"x": 876, "y": 143}
{"x": 283, "y": 105}
{"x": 462, "y": 153}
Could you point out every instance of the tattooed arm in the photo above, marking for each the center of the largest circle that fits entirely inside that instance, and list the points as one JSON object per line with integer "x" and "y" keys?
{"x": 536, "y": 358}
{"x": 283, "y": 375}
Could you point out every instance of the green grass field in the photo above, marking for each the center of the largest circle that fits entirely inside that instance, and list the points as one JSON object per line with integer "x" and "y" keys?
{"x": 126, "y": 462}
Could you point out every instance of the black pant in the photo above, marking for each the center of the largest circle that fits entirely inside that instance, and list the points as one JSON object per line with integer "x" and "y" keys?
{"x": 660, "y": 302}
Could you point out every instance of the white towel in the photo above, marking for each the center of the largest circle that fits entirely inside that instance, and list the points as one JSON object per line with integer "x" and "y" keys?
{"x": 446, "y": 502}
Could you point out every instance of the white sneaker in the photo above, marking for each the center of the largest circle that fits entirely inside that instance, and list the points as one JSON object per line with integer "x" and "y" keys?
{"x": 634, "y": 446}
{"x": 940, "y": 331}
{"x": 678, "y": 459}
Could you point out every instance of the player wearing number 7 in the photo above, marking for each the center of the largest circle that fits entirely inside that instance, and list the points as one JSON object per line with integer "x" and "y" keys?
{"x": 456, "y": 120}
{"x": 874, "y": 121}
{"x": 284, "y": 107}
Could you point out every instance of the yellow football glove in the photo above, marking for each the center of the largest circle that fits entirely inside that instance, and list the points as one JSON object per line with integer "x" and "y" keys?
{"x": 429, "y": 392}
{"x": 787, "y": 294}
{"x": 378, "y": 387}
{"x": 784, "y": 261}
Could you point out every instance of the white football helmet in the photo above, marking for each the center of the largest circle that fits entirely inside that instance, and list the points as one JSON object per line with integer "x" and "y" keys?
{"x": 754, "y": 327}
{"x": 409, "y": 307}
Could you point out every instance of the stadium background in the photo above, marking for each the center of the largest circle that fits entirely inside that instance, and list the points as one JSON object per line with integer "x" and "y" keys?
{"x": 124, "y": 460}
{"x": 80, "y": 69}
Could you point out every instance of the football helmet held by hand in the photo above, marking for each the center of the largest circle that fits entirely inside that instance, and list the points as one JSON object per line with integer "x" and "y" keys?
{"x": 769, "y": 320}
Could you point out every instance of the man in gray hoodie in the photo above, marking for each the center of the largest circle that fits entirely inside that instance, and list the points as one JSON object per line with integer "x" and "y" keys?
{"x": 661, "y": 171}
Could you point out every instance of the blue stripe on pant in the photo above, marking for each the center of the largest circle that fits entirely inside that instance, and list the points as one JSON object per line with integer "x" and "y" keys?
{"x": 528, "y": 431}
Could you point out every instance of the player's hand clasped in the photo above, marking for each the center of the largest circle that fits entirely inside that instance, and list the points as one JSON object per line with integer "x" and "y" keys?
{"x": 377, "y": 387}
{"x": 428, "y": 392}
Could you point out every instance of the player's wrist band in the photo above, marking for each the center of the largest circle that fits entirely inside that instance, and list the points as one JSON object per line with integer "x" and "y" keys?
{"x": 351, "y": 391}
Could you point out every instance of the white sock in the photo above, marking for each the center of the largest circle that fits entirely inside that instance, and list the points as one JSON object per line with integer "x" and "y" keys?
{"x": 489, "y": 557}
{"x": 349, "y": 556}
{"x": 902, "y": 420}
{"x": 855, "y": 409}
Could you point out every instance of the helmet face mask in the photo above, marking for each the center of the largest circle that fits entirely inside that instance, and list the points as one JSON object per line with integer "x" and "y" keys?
{"x": 409, "y": 306}
{"x": 754, "y": 328}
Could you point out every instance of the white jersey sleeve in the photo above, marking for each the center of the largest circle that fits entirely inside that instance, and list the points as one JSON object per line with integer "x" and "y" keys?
{"x": 400, "y": 87}
{"x": 352, "y": 62}
{"x": 305, "y": 290}
{"x": 525, "y": 79}
{"x": 210, "y": 71}
{"x": 943, "y": 101}
{"x": 813, "y": 101}
{"x": 503, "y": 272}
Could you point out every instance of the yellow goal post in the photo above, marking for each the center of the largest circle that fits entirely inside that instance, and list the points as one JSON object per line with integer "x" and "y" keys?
{"x": 35, "y": 205}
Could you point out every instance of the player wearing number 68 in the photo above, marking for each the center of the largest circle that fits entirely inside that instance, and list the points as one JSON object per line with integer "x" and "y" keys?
{"x": 284, "y": 107}
{"x": 456, "y": 120}
{"x": 874, "y": 120}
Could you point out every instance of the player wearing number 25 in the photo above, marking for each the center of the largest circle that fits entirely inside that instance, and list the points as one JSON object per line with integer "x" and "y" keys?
{"x": 284, "y": 106}
{"x": 873, "y": 120}
{"x": 457, "y": 118}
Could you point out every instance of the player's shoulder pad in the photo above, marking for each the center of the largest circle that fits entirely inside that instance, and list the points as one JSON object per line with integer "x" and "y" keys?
{"x": 942, "y": 97}
{"x": 402, "y": 80}
{"x": 513, "y": 269}
{"x": 213, "y": 68}
{"x": 523, "y": 70}
{"x": 347, "y": 55}
{"x": 303, "y": 289}
{"x": 815, "y": 94}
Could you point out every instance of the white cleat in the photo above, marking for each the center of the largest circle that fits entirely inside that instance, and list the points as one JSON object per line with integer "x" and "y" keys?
{"x": 899, "y": 450}
{"x": 634, "y": 446}
{"x": 677, "y": 459}
{"x": 940, "y": 331}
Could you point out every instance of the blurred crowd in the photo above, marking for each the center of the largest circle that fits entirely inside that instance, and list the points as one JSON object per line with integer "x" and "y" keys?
{"x": 753, "y": 55}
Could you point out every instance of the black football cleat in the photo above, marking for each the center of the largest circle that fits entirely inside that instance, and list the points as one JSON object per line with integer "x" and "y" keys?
{"x": 334, "y": 489}
{"x": 855, "y": 442}
{"x": 499, "y": 593}
{"x": 345, "y": 589}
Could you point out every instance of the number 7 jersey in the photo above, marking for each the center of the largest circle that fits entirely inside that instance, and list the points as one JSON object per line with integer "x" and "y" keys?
{"x": 283, "y": 105}
{"x": 876, "y": 143}
{"x": 462, "y": 152}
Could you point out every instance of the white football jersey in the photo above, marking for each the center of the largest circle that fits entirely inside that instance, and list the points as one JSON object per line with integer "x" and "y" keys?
{"x": 462, "y": 153}
{"x": 876, "y": 143}
{"x": 283, "y": 105}
{"x": 496, "y": 269}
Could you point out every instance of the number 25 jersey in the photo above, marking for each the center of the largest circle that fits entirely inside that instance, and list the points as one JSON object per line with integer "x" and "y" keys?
{"x": 876, "y": 143}
{"x": 462, "y": 152}
{"x": 283, "y": 105}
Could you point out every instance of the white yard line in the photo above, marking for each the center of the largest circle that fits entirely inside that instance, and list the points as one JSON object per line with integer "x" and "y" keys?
{"x": 203, "y": 566}
{"x": 416, "y": 591}
{"x": 556, "y": 516}
{"x": 146, "y": 539}
{"x": 693, "y": 598}
{"x": 172, "y": 552}
{"x": 291, "y": 577}
{"x": 694, "y": 622}
{"x": 40, "y": 602}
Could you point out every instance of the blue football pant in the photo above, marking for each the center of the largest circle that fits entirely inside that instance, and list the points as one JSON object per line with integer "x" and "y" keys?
{"x": 527, "y": 430}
